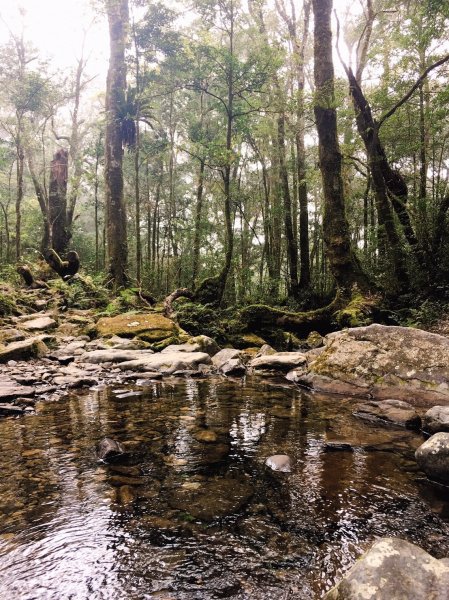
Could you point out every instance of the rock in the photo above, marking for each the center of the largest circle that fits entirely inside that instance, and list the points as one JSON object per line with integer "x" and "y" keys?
{"x": 336, "y": 446}
{"x": 8, "y": 335}
{"x": 314, "y": 340}
{"x": 120, "y": 480}
{"x": 167, "y": 363}
{"x": 389, "y": 412}
{"x": 125, "y": 495}
{"x": 279, "y": 462}
{"x": 265, "y": 350}
{"x": 281, "y": 361}
{"x": 43, "y": 323}
{"x": 205, "y": 435}
{"x": 436, "y": 419}
{"x": 200, "y": 343}
{"x": 228, "y": 362}
{"x": 121, "y": 343}
{"x": 216, "y": 498}
{"x": 10, "y": 390}
{"x": 394, "y": 569}
{"x": 113, "y": 356}
{"x": 151, "y": 327}
{"x": 10, "y": 410}
{"x": 382, "y": 362}
{"x": 126, "y": 395}
{"x": 249, "y": 340}
{"x": 108, "y": 449}
{"x": 24, "y": 350}
{"x": 433, "y": 457}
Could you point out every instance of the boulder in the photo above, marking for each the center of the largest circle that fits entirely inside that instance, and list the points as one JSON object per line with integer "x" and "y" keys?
{"x": 265, "y": 350}
{"x": 41, "y": 323}
{"x": 381, "y": 362}
{"x": 108, "y": 449}
{"x": 281, "y": 361}
{"x": 433, "y": 457}
{"x": 436, "y": 419}
{"x": 166, "y": 362}
{"x": 23, "y": 350}
{"x": 201, "y": 343}
{"x": 8, "y": 335}
{"x": 314, "y": 340}
{"x": 389, "y": 412}
{"x": 229, "y": 362}
{"x": 151, "y": 327}
{"x": 394, "y": 569}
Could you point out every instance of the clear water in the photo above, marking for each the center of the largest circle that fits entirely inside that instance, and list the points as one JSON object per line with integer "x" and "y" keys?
{"x": 181, "y": 518}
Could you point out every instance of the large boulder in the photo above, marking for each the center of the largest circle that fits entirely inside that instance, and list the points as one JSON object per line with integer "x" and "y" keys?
{"x": 113, "y": 355}
{"x": 436, "y": 419}
{"x": 229, "y": 362}
{"x": 381, "y": 362}
{"x": 167, "y": 362}
{"x": 433, "y": 457}
{"x": 200, "y": 343}
{"x": 152, "y": 327}
{"x": 394, "y": 569}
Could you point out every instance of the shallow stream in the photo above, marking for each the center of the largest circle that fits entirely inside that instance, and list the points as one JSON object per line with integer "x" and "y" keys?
{"x": 189, "y": 515}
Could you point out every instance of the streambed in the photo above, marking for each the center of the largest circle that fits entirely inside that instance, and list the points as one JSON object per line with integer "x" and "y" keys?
{"x": 189, "y": 515}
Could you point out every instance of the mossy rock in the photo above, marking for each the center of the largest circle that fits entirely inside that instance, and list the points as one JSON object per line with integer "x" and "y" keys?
{"x": 357, "y": 313}
{"x": 150, "y": 327}
{"x": 247, "y": 340}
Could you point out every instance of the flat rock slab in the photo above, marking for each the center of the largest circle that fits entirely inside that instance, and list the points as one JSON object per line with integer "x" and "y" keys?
{"x": 394, "y": 569}
{"x": 280, "y": 361}
{"x": 168, "y": 362}
{"x": 10, "y": 390}
{"x": 389, "y": 412}
{"x": 113, "y": 356}
{"x": 39, "y": 324}
{"x": 10, "y": 410}
{"x": 381, "y": 362}
{"x": 23, "y": 350}
{"x": 152, "y": 327}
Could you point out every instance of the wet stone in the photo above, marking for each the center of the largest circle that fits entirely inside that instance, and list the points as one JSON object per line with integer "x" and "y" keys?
{"x": 279, "y": 462}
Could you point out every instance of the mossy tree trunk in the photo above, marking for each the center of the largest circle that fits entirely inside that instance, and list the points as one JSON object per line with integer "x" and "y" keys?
{"x": 117, "y": 11}
{"x": 343, "y": 263}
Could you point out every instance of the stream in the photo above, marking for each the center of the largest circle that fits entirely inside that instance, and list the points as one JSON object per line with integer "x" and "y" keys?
{"x": 191, "y": 511}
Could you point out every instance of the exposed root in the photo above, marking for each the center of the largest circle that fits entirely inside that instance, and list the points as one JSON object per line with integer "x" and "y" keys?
{"x": 169, "y": 300}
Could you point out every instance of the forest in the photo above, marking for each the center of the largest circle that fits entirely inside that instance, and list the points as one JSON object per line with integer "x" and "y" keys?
{"x": 239, "y": 153}
{"x": 224, "y": 300}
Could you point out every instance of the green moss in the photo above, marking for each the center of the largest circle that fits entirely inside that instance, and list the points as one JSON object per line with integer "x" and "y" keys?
{"x": 7, "y": 305}
{"x": 357, "y": 313}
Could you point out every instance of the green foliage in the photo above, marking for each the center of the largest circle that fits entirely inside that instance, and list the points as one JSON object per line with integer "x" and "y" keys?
{"x": 7, "y": 304}
{"x": 80, "y": 292}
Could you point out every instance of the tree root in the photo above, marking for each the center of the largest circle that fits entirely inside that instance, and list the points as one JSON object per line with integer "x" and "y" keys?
{"x": 29, "y": 280}
{"x": 66, "y": 269}
{"x": 169, "y": 300}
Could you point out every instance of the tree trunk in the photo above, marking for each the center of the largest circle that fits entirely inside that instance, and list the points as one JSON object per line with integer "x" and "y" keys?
{"x": 57, "y": 201}
{"x": 117, "y": 11}
{"x": 198, "y": 216}
{"x": 19, "y": 195}
{"x": 343, "y": 263}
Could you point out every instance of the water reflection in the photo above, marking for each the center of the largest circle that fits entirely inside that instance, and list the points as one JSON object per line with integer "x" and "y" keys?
{"x": 193, "y": 512}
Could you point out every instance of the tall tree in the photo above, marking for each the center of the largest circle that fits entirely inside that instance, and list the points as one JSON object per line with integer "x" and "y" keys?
{"x": 118, "y": 17}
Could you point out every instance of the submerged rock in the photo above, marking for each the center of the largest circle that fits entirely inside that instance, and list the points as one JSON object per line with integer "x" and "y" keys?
{"x": 394, "y": 569}
{"x": 389, "y": 412}
{"x": 436, "y": 419}
{"x": 382, "y": 362}
{"x": 279, "y": 462}
{"x": 433, "y": 457}
{"x": 109, "y": 449}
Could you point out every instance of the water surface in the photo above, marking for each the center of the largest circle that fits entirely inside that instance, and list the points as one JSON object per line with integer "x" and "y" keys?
{"x": 183, "y": 518}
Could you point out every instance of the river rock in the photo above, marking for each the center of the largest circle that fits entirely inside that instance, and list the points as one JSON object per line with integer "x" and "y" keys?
{"x": 279, "y": 462}
{"x": 436, "y": 419}
{"x": 108, "y": 449}
{"x": 381, "y": 362}
{"x": 42, "y": 323}
{"x": 389, "y": 412}
{"x": 168, "y": 362}
{"x": 314, "y": 340}
{"x": 281, "y": 361}
{"x": 23, "y": 350}
{"x": 433, "y": 457}
{"x": 10, "y": 409}
{"x": 200, "y": 343}
{"x": 229, "y": 362}
{"x": 122, "y": 343}
{"x": 152, "y": 327}
{"x": 205, "y": 435}
{"x": 8, "y": 335}
{"x": 394, "y": 569}
{"x": 113, "y": 356}
{"x": 265, "y": 350}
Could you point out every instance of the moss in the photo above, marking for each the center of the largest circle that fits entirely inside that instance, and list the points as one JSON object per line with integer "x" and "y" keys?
{"x": 151, "y": 327}
{"x": 80, "y": 292}
{"x": 357, "y": 313}
{"x": 8, "y": 305}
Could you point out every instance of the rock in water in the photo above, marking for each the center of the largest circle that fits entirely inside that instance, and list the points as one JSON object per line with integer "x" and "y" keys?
{"x": 394, "y": 569}
{"x": 433, "y": 457}
{"x": 389, "y": 412}
{"x": 109, "y": 449}
{"x": 436, "y": 419}
{"x": 279, "y": 462}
